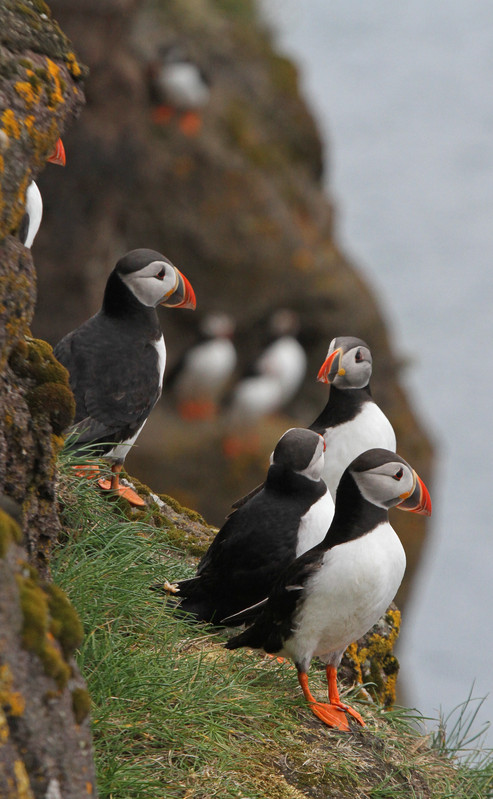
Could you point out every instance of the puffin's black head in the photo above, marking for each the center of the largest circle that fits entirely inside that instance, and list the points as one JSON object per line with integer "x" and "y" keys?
{"x": 348, "y": 363}
{"x": 153, "y": 280}
{"x": 300, "y": 450}
{"x": 387, "y": 480}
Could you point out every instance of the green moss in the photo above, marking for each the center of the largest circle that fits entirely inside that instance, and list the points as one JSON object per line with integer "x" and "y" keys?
{"x": 55, "y": 401}
{"x": 65, "y": 623}
{"x": 48, "y": 617}
{"x": 9, "y": 532}
{"x": 34, "y": 358}
{"x": 81, "y": 704}
{"x": 190, "y": 514}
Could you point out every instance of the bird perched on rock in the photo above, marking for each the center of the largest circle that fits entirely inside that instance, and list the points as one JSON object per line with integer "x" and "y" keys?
{"x": 351, "y": 421}
{"x": 288, "y": 516}
{"x": 178, "y": 85}
{"x": 201, "y": 376}
{"x": 116, "y": 359}
{"x": 334, "y": 593}
{"x": 33, "y": 213}
{"x": 269, "y": 384}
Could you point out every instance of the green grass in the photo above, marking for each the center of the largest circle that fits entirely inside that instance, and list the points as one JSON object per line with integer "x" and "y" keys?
{"x": 177, "y": 715}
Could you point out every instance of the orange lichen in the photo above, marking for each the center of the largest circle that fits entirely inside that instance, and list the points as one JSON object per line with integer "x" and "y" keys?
{"x": 55, "y": 94}
{"x": 10, "y": 124}
{"x": 73, "y": 66}
{"x": 30, "y": 89}
{"x": 12, "y": 701}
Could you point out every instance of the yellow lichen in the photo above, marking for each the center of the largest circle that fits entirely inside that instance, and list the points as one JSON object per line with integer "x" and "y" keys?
{"x": 9, "y": 532}
{"x": 10, "y": 124}
{"x": 12, "y": 701}
{"x": 72, "y": 65}
{"x": 56, "y": 93}
{"x": 23, "y": 785}
{"x": 31, "y": 89}
{"x": 4, "y": 728}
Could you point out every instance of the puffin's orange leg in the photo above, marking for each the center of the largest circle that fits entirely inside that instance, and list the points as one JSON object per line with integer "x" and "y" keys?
{"x": 190, "y": 123}
{"x": 88, "y": 470}
{"x": 331, "y": 715}
{"x": 334, "y": 699}
{"x": 114, "y": 486}
{"x": 197, "y": 409}
{"x": 162, "y": 114}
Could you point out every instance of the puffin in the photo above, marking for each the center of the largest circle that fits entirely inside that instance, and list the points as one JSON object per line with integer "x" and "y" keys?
{"x": 335, "y": 592}
{"x": 288, "y": 516}
{"x": 268, "y": 385}
{"x": 33, "y": 212}
{"x": 351, "y": 421}
{"x": 178, "y": 85}
{"x": 201, "y": 376}
{"x": 116, "y": 359}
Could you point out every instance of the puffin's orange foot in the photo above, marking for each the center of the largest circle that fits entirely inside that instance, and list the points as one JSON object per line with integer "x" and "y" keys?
{"x": 122, "y": 491}
{"x": 161, "y": 114}
{"x": 190, "y": 123}
{"x": 352, "y": 712}
{"x": 331, "y": 715}
{"x": 197, "y": 409}
{"x": 88, "y": 470}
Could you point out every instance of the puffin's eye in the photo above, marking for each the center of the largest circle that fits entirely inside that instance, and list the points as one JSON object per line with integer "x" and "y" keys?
{"x": 398, "y": 474}
{"x": 359, "y": 356}
{"x": 160, "y": 275}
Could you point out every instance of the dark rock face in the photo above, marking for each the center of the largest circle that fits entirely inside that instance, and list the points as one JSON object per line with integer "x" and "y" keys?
{"x": 45, "y": 745}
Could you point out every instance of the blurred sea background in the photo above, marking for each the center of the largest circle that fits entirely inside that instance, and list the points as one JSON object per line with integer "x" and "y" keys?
{"x": 403, "y": 95}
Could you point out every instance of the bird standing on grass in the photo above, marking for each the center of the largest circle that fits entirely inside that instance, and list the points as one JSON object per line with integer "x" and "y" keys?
{"x": 116, "y": 359}
{"x": 334, "y": 593}
{"x": 351, "y": 421}
{"x": 288, "y": 516}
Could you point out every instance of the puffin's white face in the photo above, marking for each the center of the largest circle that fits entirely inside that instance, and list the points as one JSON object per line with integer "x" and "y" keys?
{"x": 153, "y": 283}
{"x": 388, "y": 484}
{"x": 315, "y": 467}
{"x": 346, "y": 368}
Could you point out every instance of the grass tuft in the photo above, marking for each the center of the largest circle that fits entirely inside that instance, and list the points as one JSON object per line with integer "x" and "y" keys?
{"x": 176, "y": 715}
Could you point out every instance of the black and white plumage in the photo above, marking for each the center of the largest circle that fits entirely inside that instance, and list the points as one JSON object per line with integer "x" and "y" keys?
{"x": 202, "y": 375}
{"x": 334, "y": 593}
{"x": 288, "y": 516}
{"x": 351, "y": 421}
{"x": 270, "y": 383}
{"x": 177, "y": 83}
{"x": 116, "y": 359}
{"x": 33, "y": 212}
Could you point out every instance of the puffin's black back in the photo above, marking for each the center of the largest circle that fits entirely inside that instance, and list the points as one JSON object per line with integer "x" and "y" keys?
{"x": 255, "y": 543}
{"x": 113, "y": 366}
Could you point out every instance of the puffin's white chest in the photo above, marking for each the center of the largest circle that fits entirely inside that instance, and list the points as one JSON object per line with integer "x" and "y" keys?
{"x": 284, "y": 360}
{"x": 367, "y": 430}
{"x": 207, "y": 368}
{"x": 183, "y": 85}
{"x": 349, "y": 593}
{"x": 315, "y": 523}
{"x": 160, "y": 347}
{"x": 34, "y": 210}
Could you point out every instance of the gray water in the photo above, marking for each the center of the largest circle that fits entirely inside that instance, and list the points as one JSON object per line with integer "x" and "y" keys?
{"x": 403, "y": 94}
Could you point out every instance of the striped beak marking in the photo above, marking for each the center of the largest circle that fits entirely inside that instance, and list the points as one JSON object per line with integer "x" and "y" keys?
{"x": 331, "y": 367}
{"x": 417, "y": 500}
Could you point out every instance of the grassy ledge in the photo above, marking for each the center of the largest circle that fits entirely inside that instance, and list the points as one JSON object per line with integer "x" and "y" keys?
{"x": 176, "y": 715}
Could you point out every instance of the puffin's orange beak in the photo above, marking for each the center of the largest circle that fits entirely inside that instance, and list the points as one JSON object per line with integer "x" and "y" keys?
{"x": 419, "y": 500}
{"x": 330, "y": 367}
{"x": 58, "y": 154}
{"x": 183, "y": 296}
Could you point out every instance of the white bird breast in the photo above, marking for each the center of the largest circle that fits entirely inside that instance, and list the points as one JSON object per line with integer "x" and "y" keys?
{"x": 315, "y": 523}
{"x": 367, "y": 430}
{"x": 208, "y": 367}
{"x": 285, "y": 360}
{"x": 348, "y": 594}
